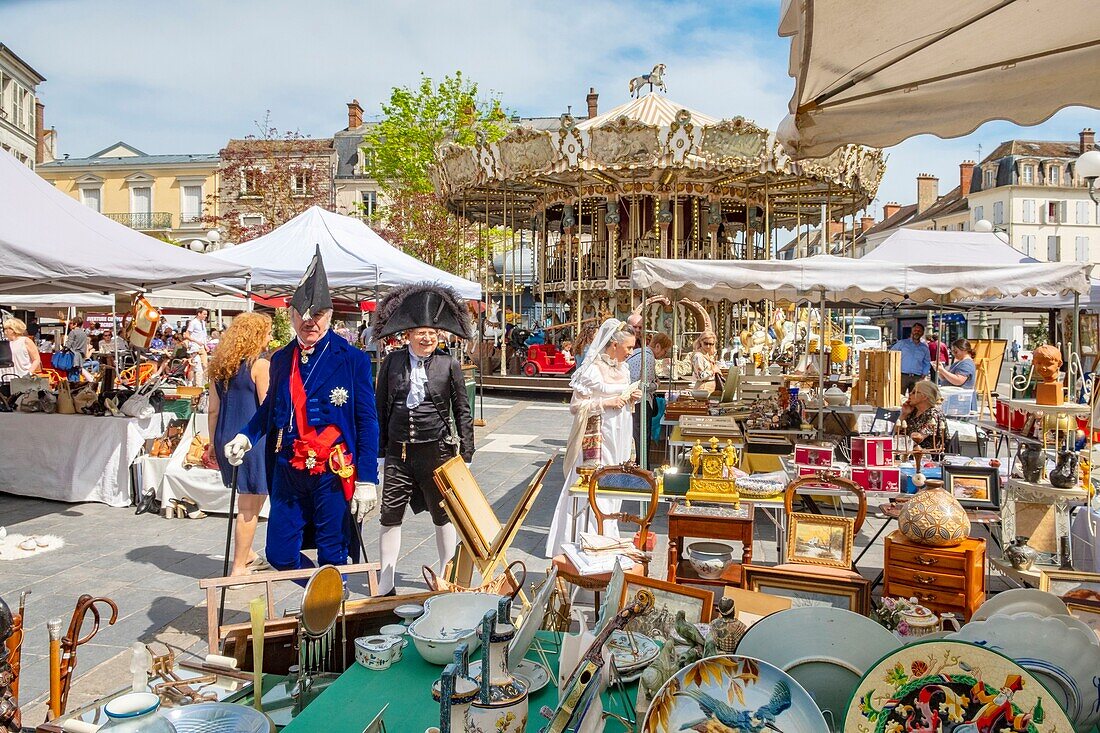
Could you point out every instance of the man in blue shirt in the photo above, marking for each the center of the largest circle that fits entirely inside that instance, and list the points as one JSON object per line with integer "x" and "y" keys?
{"x": 915, "y": 361}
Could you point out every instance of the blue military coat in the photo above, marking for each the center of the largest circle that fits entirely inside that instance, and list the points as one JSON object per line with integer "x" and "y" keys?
{"x": 339, "y": 391}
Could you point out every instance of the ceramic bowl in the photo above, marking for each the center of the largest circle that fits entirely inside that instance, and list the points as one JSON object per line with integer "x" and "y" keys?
{"x": 709, "y": 559}
{"x": 450, "y": 619}
{"x": 378, "y": 652}
{"x": 1062, "y": 658}
{"x": 700, "y": 394}
{"x": 836, "y": 397}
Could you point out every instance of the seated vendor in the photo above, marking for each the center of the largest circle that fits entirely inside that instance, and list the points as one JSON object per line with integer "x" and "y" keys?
{"x": 923, "y": 417}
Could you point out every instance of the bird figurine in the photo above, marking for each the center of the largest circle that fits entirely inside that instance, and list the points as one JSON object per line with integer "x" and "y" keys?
{"x": 687, "y": 631}
{"x": 726, "y": 630}
{"x": 742, "y": 721}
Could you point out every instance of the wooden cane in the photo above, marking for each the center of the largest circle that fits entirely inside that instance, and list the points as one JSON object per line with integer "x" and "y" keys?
{"x": 54, "y": 627}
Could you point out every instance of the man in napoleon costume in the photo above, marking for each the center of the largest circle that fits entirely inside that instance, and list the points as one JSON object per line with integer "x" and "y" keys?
{"x": 419, "y": 391}
{"x": 321, "y": 433}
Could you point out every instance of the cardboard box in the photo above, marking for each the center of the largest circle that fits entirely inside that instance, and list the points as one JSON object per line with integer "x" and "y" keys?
{"x": 813, "y": 455}
{"x": 870, "y": 451}
{"x": 885, "y": 478}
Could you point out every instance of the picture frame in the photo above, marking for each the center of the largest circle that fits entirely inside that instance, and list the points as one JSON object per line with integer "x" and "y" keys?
{"x": 974, "y": 487}
{"x": 1087, "y": 613}
{"x": 820, "y": 539}
{"x": 1072, "y": 586}
{"x": 809, "y": 586}
{"x": 668, "y": 598}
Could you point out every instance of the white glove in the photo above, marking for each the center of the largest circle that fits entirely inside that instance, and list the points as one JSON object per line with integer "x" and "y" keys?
{"x": 363, "y": 500}
{"x": 236, "y": 448}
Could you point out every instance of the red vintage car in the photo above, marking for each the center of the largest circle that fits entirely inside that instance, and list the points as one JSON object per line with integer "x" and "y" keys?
{"x": 547, "y": 359}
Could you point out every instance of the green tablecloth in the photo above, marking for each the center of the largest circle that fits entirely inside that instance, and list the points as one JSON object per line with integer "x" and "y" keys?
{"x": 352, "y": 701}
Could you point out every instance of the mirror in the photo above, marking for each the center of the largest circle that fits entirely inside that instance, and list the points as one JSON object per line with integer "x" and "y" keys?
{"x": 321, "y": 603}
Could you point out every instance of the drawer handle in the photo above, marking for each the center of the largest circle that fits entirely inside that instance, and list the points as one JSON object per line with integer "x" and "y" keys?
{"x": 925, "y": 560}
{"x": 924, "y": 579}
{"x": 926, "y": 597}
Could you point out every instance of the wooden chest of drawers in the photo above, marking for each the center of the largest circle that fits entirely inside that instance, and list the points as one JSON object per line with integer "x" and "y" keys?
{"x": 945, "y": 579}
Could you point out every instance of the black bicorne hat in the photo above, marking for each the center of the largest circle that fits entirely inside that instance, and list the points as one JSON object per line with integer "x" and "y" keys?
{"x": 312, "y": 295}
{"x": 424, "y": 305}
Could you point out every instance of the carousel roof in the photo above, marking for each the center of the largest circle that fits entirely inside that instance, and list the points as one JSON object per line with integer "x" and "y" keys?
{"x": 654, "y": 146}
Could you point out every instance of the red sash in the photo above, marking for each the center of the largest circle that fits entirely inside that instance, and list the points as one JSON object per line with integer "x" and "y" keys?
{"x": 316, "y": 451}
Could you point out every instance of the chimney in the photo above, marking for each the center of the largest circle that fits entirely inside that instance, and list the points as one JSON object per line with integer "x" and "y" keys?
{"x": 865, "y": 223}
{"x": 1088, "y": 140}
{"x": 355, "y": 114}
{"x": 39, "y": 132}
{"x": 928, "y": 190}
{"x": 836, "y": 228}
{"x": 888, "y": 210}
{"x": 592, "y": 100}
{"x": 966, "y": 176}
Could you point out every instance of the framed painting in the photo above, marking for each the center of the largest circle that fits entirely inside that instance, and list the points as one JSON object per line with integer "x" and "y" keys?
{"x": 1071, "y": 585}
{"x": 668, "y": 599}
{"x": 818, "y": 539}
{"x": 1089, "y": 613}
{"x": 806, "y": 586}
{"x": 975, "y": 487}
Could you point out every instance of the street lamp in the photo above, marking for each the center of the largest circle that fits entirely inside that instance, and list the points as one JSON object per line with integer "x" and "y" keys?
{"x": 197, "y": 245}
{"x": 1088, "y": 168}
{"x": 984, "y": 226}
{"x": 213, "y": 237}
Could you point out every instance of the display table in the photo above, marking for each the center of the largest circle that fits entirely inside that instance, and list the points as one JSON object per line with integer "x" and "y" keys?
{"x": 353, "y": 700}
{"x": 708, "y": 521}
{"x": 72, "y": 457}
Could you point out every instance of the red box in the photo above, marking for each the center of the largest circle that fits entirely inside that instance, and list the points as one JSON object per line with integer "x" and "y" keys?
{"x": 886, "y": 478}
{"x": 1017, "y": 419}
{"x": 1000, "y": 414}
{"x": 872, "y": 451}
{"x": 813, "y": 455}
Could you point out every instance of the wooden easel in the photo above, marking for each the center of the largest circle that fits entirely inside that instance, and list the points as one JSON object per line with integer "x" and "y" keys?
{"x": 989, "y": 355}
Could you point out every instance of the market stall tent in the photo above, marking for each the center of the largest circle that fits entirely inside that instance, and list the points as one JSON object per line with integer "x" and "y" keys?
{"x": 876, "y": 73}
{"x": 51, "y": 243}
{"x": 357, "y": 260}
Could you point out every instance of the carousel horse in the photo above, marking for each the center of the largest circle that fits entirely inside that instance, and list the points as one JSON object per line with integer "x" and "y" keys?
{"x": 654, "y": 78}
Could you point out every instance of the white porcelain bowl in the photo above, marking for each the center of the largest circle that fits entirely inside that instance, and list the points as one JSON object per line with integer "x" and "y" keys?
{"x": 450, "y": 619}
{"x": 836, "y": 397}
{"x": 709, "y": 559}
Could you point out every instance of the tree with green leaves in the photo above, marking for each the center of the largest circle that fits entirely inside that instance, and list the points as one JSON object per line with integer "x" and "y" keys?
{"x": 400, "y": 150}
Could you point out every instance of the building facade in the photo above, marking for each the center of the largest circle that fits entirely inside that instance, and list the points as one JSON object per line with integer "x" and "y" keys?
{"x": 21, "y": 114}
{"x": 165, "y": 195}
{"x": 356, "y": 193}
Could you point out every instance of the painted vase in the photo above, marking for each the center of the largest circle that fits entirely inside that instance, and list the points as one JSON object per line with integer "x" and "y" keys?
{"x": 1019, "y": 554}
{"x": 933, "y": 517}
{"x": 455, "y": 691}
{"x": 501, "y": 705}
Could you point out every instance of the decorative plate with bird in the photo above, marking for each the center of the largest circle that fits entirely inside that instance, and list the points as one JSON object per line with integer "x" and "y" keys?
{"x": 732, "y": 694}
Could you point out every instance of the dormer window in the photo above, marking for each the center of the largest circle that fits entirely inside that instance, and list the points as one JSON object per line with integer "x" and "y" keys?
{"x": 1054, "y": 176}
{"x": 1028, "y": 174}
{"x": 988, "y": 178}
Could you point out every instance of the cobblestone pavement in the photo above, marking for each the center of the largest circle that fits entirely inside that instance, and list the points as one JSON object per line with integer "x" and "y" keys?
{"x": 151, "y": 566}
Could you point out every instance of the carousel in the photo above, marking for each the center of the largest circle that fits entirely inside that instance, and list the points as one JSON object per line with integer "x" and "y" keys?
{"x": 649, "y": 178}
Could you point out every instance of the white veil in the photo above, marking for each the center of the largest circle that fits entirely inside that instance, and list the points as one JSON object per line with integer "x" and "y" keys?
{"x": 603, "y": 337}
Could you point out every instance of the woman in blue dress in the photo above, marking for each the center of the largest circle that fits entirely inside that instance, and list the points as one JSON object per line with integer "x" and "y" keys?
{"x": 239, "y": 379}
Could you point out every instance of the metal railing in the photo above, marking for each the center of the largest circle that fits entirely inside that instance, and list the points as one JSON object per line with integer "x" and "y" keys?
{"x": 144, "y": 222}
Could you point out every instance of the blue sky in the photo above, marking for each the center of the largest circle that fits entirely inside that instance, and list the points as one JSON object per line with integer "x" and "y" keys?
{"x": 182, "y": 77}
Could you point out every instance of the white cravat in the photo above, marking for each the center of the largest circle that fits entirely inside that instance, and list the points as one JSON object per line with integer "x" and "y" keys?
{"x": 418, "y": 381}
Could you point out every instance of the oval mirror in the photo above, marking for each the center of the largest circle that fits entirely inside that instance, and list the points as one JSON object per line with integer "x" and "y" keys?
{"x": 321, "y": 603}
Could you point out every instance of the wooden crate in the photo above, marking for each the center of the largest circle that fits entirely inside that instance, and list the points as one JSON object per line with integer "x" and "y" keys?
{"x": 879, "y": 382}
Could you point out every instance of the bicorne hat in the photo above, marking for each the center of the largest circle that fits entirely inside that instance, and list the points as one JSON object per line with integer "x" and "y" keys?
{"x": 423, "y": 305}
{"x": 312, "y": 295}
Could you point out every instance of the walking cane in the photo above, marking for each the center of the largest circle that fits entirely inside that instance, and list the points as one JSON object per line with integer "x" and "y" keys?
{"x": 228, "y": 540}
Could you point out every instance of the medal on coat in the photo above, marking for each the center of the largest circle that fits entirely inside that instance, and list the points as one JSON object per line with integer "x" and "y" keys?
{"x": 338, "y": 396}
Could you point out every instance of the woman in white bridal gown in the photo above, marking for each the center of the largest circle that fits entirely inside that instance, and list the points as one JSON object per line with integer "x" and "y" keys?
{"x": 602, "y": 404}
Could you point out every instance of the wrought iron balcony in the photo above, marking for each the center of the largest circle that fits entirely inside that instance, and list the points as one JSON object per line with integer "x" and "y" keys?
{"x": 144, "y": 222}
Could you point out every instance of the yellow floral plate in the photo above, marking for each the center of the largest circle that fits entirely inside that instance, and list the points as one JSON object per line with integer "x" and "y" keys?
{"x": 732, "y": 694}
{"x": 943, "y": 685}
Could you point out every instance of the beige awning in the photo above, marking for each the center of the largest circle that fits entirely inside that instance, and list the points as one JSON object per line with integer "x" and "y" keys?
{"x": 876, "y": 73}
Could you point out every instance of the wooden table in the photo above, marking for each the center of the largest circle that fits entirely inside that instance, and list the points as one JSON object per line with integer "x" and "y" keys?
{"x": 708, "y": 521}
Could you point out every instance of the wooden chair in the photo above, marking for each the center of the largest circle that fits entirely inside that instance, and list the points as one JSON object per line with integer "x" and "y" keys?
{"x": 608, "y": 481}
{"x": 827, "y": 481}
{"x": 484, "y": 541}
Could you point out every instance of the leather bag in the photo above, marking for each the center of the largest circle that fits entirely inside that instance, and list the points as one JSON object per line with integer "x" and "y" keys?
{"x": 65, "y": 404}
{"x": 196, "y": 450}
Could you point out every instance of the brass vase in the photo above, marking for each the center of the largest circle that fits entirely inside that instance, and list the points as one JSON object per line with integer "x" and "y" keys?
{"x": 933, "y": 517}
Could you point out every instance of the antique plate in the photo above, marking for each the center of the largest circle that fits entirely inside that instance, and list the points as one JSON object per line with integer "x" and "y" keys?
{"x": 532, "y": 674}
{"x": 218, "y": 717}
{"x": 1062, "y": 658}
{"x": 933, "y": 685}
{"x": 741, "y": 693}
{"x": 826, "y": 650}
{"x": 1075, "y": 623}
{"x": 629, "y": 657}
{"x": 1020, "y": 600}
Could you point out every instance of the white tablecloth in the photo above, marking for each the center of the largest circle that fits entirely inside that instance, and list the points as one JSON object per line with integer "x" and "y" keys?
{"x": 71, "y": 457}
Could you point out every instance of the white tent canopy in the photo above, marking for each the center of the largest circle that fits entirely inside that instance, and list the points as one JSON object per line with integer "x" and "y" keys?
{"x": 356, "y": 258}
{"x": 58, "y": 300}
{"x": 51, "y": 243}
{"x": 946, "y": 248}
{"x": 845, "y": 280}
{"x": 876, "y": 73}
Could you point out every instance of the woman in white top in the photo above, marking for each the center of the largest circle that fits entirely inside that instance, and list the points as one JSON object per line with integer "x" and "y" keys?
{"x": 704, "y": 361}
{"x": 602, "y": 406}
{"x": 24, "y": 353}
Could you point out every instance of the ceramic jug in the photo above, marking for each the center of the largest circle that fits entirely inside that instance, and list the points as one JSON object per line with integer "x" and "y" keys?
{"x": 1064, "y": 475}
{"x": 1030, "y": 458}
{"x": 455, "y": 691}
{"x": 1019, "y": 554}
{"x": 501, "y": 705}
{"x": 933, "y": 517}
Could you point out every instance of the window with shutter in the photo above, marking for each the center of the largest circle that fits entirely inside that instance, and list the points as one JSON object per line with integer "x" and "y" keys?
{"x": 1029, "y": 244}
{"x": 998, "y": 212}
{"x": 1029, "y": 174}
{"x": 1029, "y": 211}
{"x": 141, "y": 200}
{"x": 191, "y": 204}
{"x": 1082, "y": 212}
{"x": 91, "y": 198}
{"x": 979, "y": 213}
{"x": 1053, "y": 176}
{"x": 1054, "y": 249}
{"x": 1081, "y": 245}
